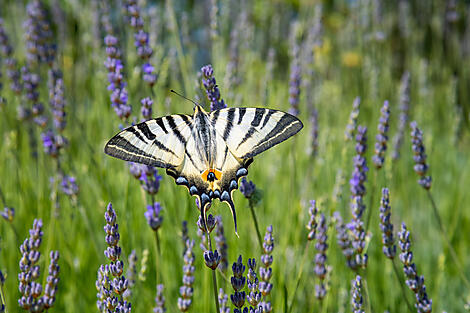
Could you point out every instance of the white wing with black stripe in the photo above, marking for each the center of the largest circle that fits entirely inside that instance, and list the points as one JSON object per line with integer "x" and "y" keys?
{"x": 160, "y": 142}
{"x": 250, "y": 131}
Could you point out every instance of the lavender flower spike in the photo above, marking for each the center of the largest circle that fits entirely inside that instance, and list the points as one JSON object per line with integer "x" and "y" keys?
{"x": 386, "y": 226}
{"x": 382, "y": 136}
{"x": 344, "y": 241}
{"x": 212, "y": 90}
{"x": 111, "y": 283}
{"x": 403, "y": 118}
{"x": 360, "y": 165}
{"x": 356, "y": 298}
{"x": 266, "y": 272}
{"x": 420, "y": 156}
{"x": 186, "y": 291}
{"x": 141, "y": 41}
{"x": 352, "y": 122}
{"x": 159, "y": 301}
{"x": 295, "y": 81}
{"x": 320, "y": 258}
{"x": 154, "y": 219}
{"x": 312, "y": 223}
{"x": 238, "y": 282}
{"x": 413, "y": 280}
{"x": 52, "y": 281}
{"x": 29, "y": 270}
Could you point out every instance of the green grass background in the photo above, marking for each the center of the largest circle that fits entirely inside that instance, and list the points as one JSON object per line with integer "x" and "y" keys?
{"x": 288, "y": 175}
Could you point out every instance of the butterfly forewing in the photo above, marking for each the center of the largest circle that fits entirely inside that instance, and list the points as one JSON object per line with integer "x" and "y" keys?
{"x": 250, "y": 131}
{"x": 159, "y": 142}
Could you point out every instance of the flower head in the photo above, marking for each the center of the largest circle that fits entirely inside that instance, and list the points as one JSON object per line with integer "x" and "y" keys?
{"x": 413, "y": 280}
{"x": 212, "y": 90}
{"x": 154, "y": 219}
{"x": 382, "y": 136}
{"x": 420, "y": 156}
{"x": 386, "y": 226}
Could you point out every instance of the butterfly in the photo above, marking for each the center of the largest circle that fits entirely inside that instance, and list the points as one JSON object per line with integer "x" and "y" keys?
{"x": 208, "y": 153}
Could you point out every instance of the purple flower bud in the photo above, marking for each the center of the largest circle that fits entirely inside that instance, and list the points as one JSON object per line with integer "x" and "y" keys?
{"x": 211, "y": 259}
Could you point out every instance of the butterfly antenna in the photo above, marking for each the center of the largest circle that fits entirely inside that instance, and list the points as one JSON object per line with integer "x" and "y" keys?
{"x": 176, "y": 93}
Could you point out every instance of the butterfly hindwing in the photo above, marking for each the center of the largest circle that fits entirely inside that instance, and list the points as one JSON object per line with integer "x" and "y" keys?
{"x": 158, "y": 142}
{"x": 250, "y": 131}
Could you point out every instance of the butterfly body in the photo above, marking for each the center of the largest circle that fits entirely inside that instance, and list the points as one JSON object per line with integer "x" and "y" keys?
{"x": 207, "y": 153}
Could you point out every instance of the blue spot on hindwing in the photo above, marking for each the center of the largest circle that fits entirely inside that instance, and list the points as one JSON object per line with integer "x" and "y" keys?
{"x": 181, "y": 181}
{"x": 225, "y": 196}
{"x": 233, "y": 185}
{"x": 193, "y": 190}
{"x": 241, "y": 172}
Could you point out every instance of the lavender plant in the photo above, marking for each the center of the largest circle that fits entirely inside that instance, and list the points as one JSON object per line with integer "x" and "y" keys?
{"x": 248, "y": 189}
{"x": 32, "y": 297}
{"x": 352, "y": 122}
{"x": 159, "y": 301}
{"x": 404, "y": 111}
{"x": 295, "y": 80}
{"x": 117, "y": 85}
{"x": 221, "y": 244}
{"x": 238, "y": 297}
{"x": 320, "y": 258}
{"x": 266, "y": 272}
{"x": 186, "y": 291}
{"x": 11, "y": 63}
{"x": 382, "y": 136}
{"x": 344, "y": 241}
{"x": 141, "y": 41}
{"x": 389, "y": 248}
{"x": 111, "y": 284}
{"x": 212, "y": 90}
{"x": 420, "y": 156}
{"x": 413, "y": 280}
{"x": 312, "y": 222}
{"x": 356, "y": 298}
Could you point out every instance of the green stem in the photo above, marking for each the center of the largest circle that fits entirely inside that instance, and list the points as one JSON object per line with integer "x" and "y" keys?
{"x": 2, "y": 298}
{"x": 371, "y": 202}
{"x": 255, "y": 221}
{"x": 157, "y": 255}
{"x": 298, "y": 277}
{"x": 402, "y": 287}
{"x": 366, "y": 293}
{"x": 2, "y": 198}
{"x": 447, "y": 240}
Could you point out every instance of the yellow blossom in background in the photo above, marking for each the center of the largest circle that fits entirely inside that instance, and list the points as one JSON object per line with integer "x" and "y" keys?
{"x": 351, "y": 59}
{"x": 322, "y": 52}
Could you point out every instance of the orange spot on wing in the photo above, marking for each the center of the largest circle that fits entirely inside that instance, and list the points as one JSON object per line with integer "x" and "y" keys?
{"x": 217, "y": 173}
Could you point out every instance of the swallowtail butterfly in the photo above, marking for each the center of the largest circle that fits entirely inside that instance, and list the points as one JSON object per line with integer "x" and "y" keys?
{"x": 207, "y": 153}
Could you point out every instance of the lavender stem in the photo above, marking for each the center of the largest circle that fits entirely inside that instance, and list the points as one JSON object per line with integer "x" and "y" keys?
{"x": 299, "y": 276}
{"x": 446, "y": 238}
{"x": 3, "y": 298}
{"x": 2, "y": 197}
{"x": 371, "y": 201}
{"x": 402, "y": 287}
{"x": 255, "y": 221}
{"x": 157, "y": 255}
